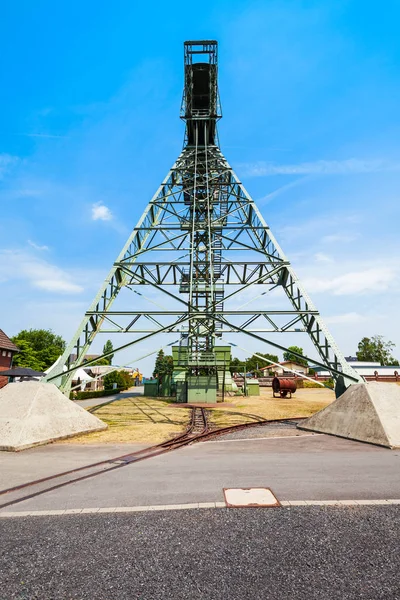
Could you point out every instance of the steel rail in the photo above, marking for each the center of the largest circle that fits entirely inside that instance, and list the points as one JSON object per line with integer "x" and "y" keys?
{"x": 187, "y": 437}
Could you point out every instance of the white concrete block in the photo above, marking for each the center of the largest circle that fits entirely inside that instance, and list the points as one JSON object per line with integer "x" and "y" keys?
{"x": 368, "y": 412}
{"x": 34, "y": 413}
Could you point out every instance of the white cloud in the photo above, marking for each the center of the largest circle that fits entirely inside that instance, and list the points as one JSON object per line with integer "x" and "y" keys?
{"x": 6, "y": 160}
{"x": 324, "y": 258}
{"x": 375, "y": 280}
{"x": 59, "y": 286}
{"x": 320, "y": 167}
{"x": 339, "y": 237}
{"x": 18, "y": 265}
{"x": 101, "y": 212}
{"x": 313, "y": 225}
{"x": 281, "y": 190}
{"x": 37, "y": 247}
{"x": 347, "y": 318}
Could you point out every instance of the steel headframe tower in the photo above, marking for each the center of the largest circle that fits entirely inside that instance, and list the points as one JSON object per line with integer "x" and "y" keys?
{"x": 200, "y": 244}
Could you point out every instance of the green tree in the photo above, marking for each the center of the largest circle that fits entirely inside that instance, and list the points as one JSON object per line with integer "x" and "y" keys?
{"x": 255, "y": 364}
{"x": 101, "y": 361}
{"x": 375, "y": 349}
{"x": 121, "y": 378}
{"x": 289, "y": 356}
{"x": 39, "y": 348}
{"x": 108, "y": 347}
{"x": 27, "y": 357}
{"x": 164, "y": 365}
{"x": 236, "y": 365}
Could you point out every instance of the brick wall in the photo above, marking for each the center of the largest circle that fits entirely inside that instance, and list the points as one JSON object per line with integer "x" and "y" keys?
{"x": 5, "y": 363}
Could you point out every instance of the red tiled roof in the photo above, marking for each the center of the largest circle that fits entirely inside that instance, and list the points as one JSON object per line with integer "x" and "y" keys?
{"x": 6, "y": 343}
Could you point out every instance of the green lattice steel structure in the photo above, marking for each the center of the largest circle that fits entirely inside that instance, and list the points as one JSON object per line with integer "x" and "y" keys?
{"x": 201, "y": 243}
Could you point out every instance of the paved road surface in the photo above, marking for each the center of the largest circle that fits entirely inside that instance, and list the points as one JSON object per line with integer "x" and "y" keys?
{"x": 134, "y": 391}
{"x": 296, "y": 468}
{"x": 220, "y": 554}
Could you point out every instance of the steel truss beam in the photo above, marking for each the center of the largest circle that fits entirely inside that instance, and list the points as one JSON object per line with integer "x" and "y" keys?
{"x": 216, "y": 240}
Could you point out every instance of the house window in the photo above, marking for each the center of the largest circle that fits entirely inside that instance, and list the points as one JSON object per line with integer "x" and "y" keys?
{"x": 4, "y": 353}
{"x": 9, "y": 354}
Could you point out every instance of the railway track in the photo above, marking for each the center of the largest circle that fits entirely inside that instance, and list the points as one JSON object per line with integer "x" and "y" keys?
{"x": 197, "y": 430}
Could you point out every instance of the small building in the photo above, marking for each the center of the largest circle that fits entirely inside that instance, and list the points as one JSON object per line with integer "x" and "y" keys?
{"x": 7, "y": 351}
{"x": 97, "y": 372}
{"x": 286, "y": 366}
{"x": 364, "y": 368}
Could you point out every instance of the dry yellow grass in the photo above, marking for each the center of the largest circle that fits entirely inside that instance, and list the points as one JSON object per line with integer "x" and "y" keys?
{"x": 136, "y": 420}
{"x": 145, "y": 420}
{"x": 303, "y": 403}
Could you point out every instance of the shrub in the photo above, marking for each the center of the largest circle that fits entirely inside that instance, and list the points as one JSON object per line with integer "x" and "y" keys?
{"x": 121, "y": 378}
{"x": 311, "y": 384}
{"x": 87, "y": 395}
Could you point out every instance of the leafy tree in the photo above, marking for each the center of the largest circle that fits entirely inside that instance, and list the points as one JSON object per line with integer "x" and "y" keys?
{"x": 289, "y": 356}
{"x": 254, "y": 364}
{"x": 27, "y": 357}
{"x": 164, "y": 365}
{"x": 108, "y": 347}
{"x": 236, "y": 365}
{"x": 101, "y": 361}
{"x": 121, "y": 378}
{"x": 375, "y": 349}
{"x": 40, "y": 348}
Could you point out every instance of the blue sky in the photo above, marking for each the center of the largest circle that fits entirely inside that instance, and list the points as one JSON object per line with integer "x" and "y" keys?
{"x": 89, "y": 126}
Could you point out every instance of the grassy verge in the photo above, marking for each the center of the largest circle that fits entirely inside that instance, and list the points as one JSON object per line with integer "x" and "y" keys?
{"x": 303, "y": 403}
{"x": 136, "y": 420}
{"x": 143, "y": 420}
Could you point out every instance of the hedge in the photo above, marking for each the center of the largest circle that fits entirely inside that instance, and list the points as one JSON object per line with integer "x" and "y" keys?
{"x": 99, "y": 394}
{"x": 310, "y": 384}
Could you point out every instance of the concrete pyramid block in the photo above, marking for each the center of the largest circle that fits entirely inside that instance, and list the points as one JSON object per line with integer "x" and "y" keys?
{"x": 368, "y": 412}
{"x": 34, "y": 413}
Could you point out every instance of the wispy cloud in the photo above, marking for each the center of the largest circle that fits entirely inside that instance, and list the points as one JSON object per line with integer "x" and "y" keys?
{"x": 324, "y": 258}
{"x": 376, "y": 280}
{"x": 346, "y": 318}
{"x": 320, "y": 167}
{"x": 42, "y": 135}
{"x": 281, "y": 190}
{"x": 6, "y": 161}
{"x": 37, "y": 246}
{"x": 19, "y": 265}
{"x": 340, "y": 238}
{"x": 101, "y": 212}
{"x": 314, "y": 224}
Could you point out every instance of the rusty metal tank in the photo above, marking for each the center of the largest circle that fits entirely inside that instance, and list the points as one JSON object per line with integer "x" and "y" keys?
{"x": 283, "y": 387}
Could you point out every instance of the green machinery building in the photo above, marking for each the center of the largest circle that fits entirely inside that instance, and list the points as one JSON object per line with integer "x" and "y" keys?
{"x": 199, "y": 376}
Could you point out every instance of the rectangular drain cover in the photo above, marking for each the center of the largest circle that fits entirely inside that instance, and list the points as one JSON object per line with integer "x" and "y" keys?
{"x": 242, "y": 497}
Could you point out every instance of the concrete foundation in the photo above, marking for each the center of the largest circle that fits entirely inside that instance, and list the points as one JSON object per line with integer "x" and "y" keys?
{"x": 368, "y": 412}
{"x": 35, "y": 413}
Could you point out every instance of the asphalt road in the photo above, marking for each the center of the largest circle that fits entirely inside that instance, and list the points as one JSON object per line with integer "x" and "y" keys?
{"x": 233, "y": 554}
{"x": 296, "y": 468}
{"x": 134, "y": 391}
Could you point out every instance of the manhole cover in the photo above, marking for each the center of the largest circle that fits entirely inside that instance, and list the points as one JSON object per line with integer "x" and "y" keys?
{"x": 241, "y": 497}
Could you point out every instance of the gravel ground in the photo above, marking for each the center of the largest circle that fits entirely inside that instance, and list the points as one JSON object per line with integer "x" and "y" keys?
{"x": 263, "y": 431}
{"x": 302, "y": 553}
